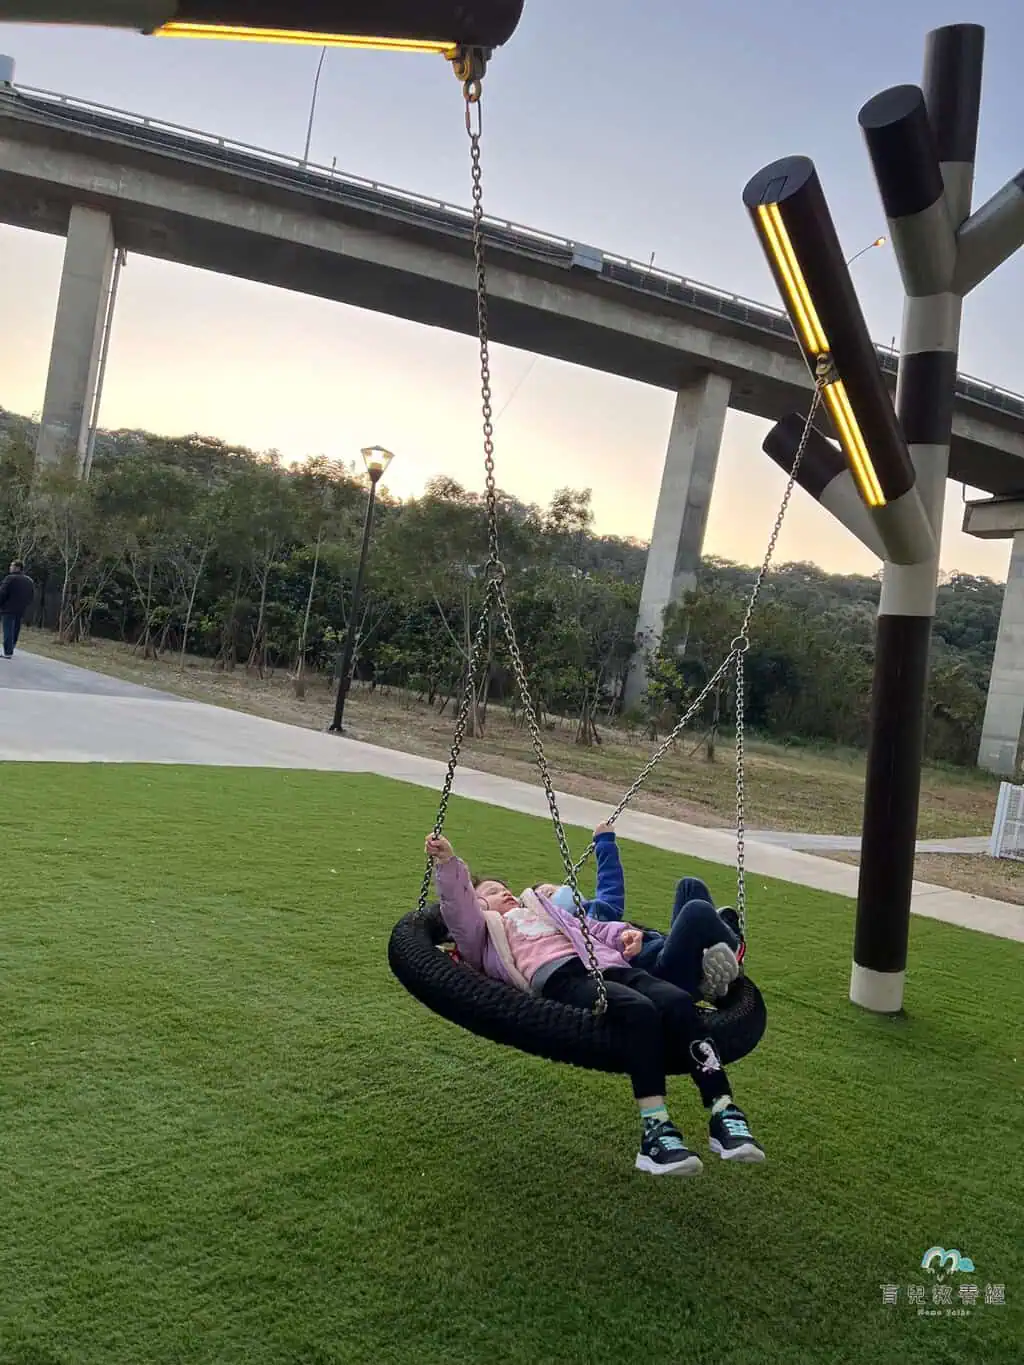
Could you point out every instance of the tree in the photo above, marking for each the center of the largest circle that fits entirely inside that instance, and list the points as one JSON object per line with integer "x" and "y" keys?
{"x": 19, "y": 523}
{"x": 191, "y": 554}
{"x": 149, "y": 500}
{"x": 443, "y": 550}
{"x": 316, "y": 485}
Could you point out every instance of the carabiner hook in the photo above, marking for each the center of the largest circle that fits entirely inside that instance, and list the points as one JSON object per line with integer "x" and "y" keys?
{"x": 472, "y": 91}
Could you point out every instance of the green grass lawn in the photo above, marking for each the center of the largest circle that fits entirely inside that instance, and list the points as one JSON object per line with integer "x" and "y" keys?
{"x": 229, "y": 1136}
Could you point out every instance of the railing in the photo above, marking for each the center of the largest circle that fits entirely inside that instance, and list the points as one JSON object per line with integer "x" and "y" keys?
{"x": 618, "y": 269}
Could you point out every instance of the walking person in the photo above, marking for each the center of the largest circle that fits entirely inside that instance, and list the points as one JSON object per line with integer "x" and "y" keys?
{"x": 16, "y": 593}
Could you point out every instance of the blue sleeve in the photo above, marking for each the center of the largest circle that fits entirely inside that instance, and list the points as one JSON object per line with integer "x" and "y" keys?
{"x": 611, "y": 881}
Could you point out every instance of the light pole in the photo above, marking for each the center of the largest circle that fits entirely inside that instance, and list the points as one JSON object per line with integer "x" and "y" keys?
{"x": 312, "y": 105}
{"x": 376, "y": 460}
{"x": 120, "y": 260}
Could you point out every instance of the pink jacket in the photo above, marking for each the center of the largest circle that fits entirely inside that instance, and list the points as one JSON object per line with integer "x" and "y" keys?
{"x": 479, "y": 945}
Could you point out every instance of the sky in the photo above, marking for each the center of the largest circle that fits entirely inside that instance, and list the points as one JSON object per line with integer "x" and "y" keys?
{"x": 637, "y": 138}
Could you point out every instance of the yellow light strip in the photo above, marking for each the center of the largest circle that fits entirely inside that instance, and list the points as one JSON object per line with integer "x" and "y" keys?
{"x": 849, "y": 432}
{"x": 800, "y": 299}
{"x": 239, "y": 34}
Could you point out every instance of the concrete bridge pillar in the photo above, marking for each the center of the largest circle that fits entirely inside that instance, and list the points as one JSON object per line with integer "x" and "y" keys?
{"x": 1004, "y": 709}
{"x": 1003, "y": 519}
{"x": 77, "y": 338}
{"x": 682, "y": 515}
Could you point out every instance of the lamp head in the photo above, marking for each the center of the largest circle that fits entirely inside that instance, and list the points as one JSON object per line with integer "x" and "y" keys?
{"x": 376, "y": 459}
{"x": 793, "y": 223}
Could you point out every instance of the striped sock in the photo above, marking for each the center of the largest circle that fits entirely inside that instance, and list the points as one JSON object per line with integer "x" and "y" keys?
{"x": 650, "y": 1118}
{"x": 721, "y": 1103}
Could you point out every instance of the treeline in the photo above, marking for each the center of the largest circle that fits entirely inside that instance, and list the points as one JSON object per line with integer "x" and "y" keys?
{"x": 809, "y": 669}
{"x": 190, "y": 545}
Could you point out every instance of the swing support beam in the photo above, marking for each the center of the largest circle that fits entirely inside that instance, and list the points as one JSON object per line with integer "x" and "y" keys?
{"x": 446, "y": 27}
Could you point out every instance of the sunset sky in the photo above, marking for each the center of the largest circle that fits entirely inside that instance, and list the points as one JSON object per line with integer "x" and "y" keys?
{"x": 629, "y": 127}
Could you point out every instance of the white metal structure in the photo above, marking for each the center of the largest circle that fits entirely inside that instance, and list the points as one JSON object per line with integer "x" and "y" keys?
{"x": 1008, "y": 826}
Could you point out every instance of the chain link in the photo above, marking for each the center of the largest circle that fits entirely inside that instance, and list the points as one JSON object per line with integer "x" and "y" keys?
{"x": 468, "y": 699}
{"x": 474, "y": 128}
{"x": 662, "y": 750}
{"x": 526, "y": 700}
{"x": 740, "y": 646}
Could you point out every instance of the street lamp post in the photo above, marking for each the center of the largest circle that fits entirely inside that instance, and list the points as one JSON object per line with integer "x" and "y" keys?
{"x": 376, "y": 460}
{"x": 312, "y": 105}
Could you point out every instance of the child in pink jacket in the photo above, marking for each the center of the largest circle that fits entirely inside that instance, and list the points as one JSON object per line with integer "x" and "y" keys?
{"x": 536, "y": 946}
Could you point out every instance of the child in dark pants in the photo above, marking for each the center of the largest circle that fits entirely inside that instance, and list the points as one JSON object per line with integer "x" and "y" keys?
{"x": 703, "y": 949}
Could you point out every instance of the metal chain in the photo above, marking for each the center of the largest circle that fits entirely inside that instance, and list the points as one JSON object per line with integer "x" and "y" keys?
{"x": 661, "y": 751}
{"x": 495, "y": 568}
{"x": 473, "y": 128}
{"x": 741, "y": 644}
{"x": 735, "y": 658}
{"x": 542, "y": 764}
{"x": 468, "y": 698}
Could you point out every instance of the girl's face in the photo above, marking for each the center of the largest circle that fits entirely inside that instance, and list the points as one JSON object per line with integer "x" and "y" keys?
{"x": 497, "y": 896}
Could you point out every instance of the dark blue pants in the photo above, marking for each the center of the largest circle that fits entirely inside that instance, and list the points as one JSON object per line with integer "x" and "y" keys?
{"x": 12, "y": 629}
{"x": 678, "y": 956}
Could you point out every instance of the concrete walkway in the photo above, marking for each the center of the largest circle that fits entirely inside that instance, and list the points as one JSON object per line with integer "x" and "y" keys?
{"x": 52, "y": 712}
{"x": 850, "y": 843}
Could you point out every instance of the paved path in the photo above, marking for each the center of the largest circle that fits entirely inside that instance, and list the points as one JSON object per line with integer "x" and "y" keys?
{"x": 33, "y": 673}
{"x": 850, "y": 843}
{"x": 55, "y": 713}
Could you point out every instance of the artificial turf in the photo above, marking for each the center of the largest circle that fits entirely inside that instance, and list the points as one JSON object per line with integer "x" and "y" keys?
{"x": 229, "y": 1136}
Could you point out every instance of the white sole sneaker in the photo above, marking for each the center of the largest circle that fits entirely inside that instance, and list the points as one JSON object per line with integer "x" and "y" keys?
{"x": 720, "y": 969}
{"x": 691, "y": 1165}
{"x": 748, "y": 1152}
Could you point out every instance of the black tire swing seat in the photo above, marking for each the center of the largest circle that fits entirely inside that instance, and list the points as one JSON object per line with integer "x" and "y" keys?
{"x": 545, "y": 1028}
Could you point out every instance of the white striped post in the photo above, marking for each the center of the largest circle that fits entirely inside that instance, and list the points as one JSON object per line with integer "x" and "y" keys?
{"x": 922, "y": 145}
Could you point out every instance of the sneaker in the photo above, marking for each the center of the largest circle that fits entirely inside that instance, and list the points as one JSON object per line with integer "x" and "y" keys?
{"x": 663, "y": 1152}
{"x": 720, "y": 969}
{"x": 731, "y": 920}
{"x": 731, "y": 1137}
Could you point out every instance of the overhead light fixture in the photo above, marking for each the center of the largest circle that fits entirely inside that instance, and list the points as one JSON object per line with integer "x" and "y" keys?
{"x": 793, "y": 223}
{"x": 441, "y": 26}
{"x": 237, "y": 34}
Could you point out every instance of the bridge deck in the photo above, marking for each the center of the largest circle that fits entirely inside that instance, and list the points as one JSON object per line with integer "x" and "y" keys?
{"x": 989, "y": 435}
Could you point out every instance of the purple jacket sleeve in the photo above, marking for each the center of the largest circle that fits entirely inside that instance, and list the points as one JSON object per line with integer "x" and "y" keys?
{"x": 608, "y": 932}
{"x": 461, "y": 910}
